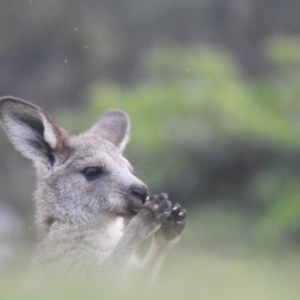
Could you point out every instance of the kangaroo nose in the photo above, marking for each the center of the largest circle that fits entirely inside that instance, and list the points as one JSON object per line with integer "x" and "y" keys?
{"x": 140, "y": 192}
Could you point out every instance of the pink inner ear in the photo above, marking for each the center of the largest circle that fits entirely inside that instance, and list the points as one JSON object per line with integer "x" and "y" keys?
{"x": 32, "y": 131}
{"x": 56, "y": 136}
{"x": 63, "y": 148}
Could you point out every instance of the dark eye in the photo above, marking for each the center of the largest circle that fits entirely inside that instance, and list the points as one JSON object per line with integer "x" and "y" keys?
{"x": 92, "y": 173}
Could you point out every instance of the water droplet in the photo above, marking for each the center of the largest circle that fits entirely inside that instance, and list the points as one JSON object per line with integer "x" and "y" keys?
{"x": 75, "y": 29}
{"x": 187, "y": 69}
{"x": 85, "y": 47}
{"x": 66, "y": 60}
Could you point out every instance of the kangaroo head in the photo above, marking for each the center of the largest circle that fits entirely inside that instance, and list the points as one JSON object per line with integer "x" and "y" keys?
{"x": 80, "y": 178}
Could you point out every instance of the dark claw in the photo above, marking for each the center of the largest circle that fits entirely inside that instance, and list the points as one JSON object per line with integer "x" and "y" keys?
{"x": 182, "y": 215}
{"x": 174, "y": 224}
{"x": 175, "y": 208}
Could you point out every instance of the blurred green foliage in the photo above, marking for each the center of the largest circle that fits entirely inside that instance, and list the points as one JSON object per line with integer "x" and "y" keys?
{"x": 205, "y": 88}
{"x": 207, "y": 134}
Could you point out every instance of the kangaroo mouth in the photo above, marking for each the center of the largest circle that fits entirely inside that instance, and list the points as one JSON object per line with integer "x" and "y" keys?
{"x": 136, "y": 209}
{"x": 135, "y": 198}
{"x": 134, "y": 206}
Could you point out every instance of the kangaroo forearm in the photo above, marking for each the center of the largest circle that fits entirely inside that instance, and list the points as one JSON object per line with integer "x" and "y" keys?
{"x": 154, "y": 258}
{"x": 156, "y": 253}
{"x": 121, "y": 254}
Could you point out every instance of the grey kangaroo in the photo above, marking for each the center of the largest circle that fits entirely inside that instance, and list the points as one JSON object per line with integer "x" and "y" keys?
{"x": 91, "y": 211}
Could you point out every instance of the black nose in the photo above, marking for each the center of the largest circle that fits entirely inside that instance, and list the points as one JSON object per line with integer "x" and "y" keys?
{"x": 140, "y": 192}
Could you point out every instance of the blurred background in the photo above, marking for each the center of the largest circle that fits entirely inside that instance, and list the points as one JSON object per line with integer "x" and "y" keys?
{"x": 212, "y": 88}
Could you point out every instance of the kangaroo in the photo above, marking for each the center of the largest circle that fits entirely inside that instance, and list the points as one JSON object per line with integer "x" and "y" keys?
{"x": 91, "y": 211}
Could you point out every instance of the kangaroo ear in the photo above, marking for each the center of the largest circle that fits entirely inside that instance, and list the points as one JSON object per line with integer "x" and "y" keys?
{"x": 32, "y": 131}
{"x": 113, "y": 126}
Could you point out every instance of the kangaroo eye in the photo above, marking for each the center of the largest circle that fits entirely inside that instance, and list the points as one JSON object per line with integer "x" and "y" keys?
{"x": 92, "y": 173}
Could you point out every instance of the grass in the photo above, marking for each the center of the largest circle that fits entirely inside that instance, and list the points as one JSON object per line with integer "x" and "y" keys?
{"x": 186, "y": 275}
{"x": 214, "y": 275}
{"x": 207, "y": 264}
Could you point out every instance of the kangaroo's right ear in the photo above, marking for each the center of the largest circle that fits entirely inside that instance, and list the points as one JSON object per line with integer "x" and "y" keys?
{"x": 32, "y": 131}
{"x": 114, "y": 126}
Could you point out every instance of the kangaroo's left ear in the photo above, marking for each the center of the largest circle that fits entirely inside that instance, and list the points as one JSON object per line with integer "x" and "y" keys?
{"x": 113, "y": 126}
{"x": 33, "y": 132}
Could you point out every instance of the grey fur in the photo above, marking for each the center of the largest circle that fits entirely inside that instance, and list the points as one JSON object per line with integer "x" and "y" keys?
{"x": 91, "y": 211}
